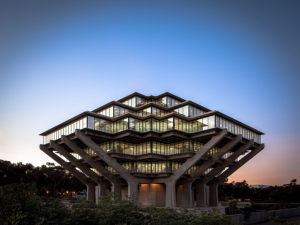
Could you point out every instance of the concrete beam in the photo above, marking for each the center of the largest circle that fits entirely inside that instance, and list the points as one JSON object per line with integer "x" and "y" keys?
{"x": 80, "y": 176}
{"x": 131, "y": 180}
{"x": 171, "y": 181}
{"x": 84, "y": 168}
{"x": 240, "y": 163}
{"x": 226, "y": 162}
{"x": 211, "y": 161}
{"x": 193, "y": 160}
{"x": 116, "y": 183}
{"x": 109, "y": 160}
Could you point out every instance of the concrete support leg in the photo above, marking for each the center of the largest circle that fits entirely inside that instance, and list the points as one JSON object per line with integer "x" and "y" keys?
{"x": 133, "y": 190}
{"x": 201, "y": 196}
{"x": 187, "y": 195}
{"x": 117, "y": 189}
{"x": 170, "y": 194}
{"x": 91, "y": 193}
{"x": 213, "y": 195}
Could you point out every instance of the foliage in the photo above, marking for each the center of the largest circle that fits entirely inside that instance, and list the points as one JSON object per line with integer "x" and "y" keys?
{"x": 53, "y": 180}
{"x": 20, "y": 205}
{"x": 273, "y": 194}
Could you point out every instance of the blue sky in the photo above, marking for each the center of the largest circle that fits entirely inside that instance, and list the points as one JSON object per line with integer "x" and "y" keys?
{"x": 60, "y": 58}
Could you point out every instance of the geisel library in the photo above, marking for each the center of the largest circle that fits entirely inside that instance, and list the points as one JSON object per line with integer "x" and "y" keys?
{"x": 164, "y": 150}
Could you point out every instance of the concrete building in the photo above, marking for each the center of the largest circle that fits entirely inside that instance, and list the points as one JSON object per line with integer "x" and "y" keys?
{"x": 164, "y": 150}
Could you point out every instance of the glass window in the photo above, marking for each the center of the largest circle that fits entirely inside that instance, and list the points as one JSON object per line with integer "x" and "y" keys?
{"x": 170, "y": 123}
{"x": 97, "y": 124}
{"x": 186, "y": 111}
{"x": 133, "y": 102}
{"x": 122, "y": 111}
{"x": 164, "y": 101}
{"x": 91, "y": 122}
{"x": 191, "y": 111}
{"x": 116, "y": 111}
{"x": 211, "y": 122}
{"x": 176, "y": 123}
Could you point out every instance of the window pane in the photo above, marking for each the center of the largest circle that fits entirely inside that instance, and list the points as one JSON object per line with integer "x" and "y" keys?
{"x": 133, "y": 102}
{"x": 97, "y": 124}
{"x": 138, "y": 101}
{"x": 169, "y": 102}
{"x": 170, "y": 123}
{"x": 186, "y": 111}
{"x": 191, "y": 111}
{"x": 211, "y": 122}
{"x": 176, "y": 123}
{"x": 205, "y": 123}
{"x": 91, "y": 122}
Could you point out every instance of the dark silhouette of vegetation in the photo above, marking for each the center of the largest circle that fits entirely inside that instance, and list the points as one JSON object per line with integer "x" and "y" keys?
{"x": 20, "y": 205}
{"x": 49, "y": 180}
{"x": 289, "y": 193}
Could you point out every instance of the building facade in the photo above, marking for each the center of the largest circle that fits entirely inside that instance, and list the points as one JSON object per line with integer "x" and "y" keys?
{"x": 164, "y": 150}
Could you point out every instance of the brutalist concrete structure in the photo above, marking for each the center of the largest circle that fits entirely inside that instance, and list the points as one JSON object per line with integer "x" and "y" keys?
{"x": 164, "y": 150}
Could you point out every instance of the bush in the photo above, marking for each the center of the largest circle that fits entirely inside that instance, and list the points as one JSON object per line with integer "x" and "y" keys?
{"x": 20, "y": 205}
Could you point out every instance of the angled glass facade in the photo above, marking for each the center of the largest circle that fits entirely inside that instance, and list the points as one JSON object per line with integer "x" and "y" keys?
{"x": 152, "y": 124}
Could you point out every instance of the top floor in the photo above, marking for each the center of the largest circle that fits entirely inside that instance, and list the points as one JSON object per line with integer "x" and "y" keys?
{"x": 142, "y": 105}
{"x": 148, "y": 110}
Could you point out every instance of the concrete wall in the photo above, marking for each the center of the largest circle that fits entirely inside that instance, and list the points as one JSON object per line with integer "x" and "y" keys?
{"x": 258, "y": 217}
{"x": 152, "y": 195}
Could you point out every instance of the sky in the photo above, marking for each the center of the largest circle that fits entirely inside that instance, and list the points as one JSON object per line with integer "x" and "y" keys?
{"x": 242, "y": 58}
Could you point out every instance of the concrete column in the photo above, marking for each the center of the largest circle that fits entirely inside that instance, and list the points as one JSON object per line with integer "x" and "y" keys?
{"x": 179, "y": 194}
{"x": 193, "y": 196}
{"x": 213, "y": 195}
{"x": 97, "y": 193}
{"x": 187, "y": 200}
{"x": 133, "y": 190}
{"x": 103, "y": 187}
{"x": 170, "y": 194}
{"x": 201, "y": 195}
{"x": 91, "y": 192}
{"x": 117, "y": 189}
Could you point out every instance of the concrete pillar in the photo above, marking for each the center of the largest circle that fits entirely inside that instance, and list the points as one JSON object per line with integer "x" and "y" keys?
{"x": 117, "y": 189}
{"x": 193, "y": 196}
{"x": 91, "y": 192}
{"x": 97, "y": 193}
{"x": 170, "y": 195}
{"x": 201, "y": 195}
{"x": 213, "y": 194}
{"x": 133, "y": 190}
{"x": 187, "y": 200}
{"x": 179, "y": 195}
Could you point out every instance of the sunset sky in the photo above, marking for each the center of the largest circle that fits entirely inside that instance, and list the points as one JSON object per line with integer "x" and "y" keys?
{"x": 242, "y": 58}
